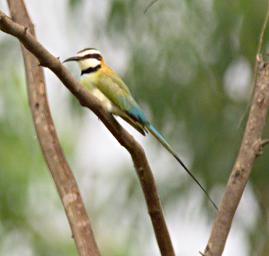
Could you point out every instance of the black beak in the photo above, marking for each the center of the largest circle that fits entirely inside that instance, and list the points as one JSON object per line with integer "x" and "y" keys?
{"x": 75, "y": 58}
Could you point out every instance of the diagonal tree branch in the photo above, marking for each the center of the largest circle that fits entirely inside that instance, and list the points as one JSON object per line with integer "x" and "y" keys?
{"x": 250, "y": 148}
{"x": 137, "y": 153}
{"x": 59, "y": 168}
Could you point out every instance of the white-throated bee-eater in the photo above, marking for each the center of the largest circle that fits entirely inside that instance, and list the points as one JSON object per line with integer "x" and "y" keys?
{"x": 115, "y": 96}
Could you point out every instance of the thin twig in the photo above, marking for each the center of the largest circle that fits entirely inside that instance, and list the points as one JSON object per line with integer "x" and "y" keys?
{"x": 249, "y": 150}
{"x": 264, "y": 142}
{"x": 259, "y": 48}
{"x": 124, "y": 138}
{"x": 258, "y": 54}
{"x": 265, "y": 22}
{"x": 150, "y": 5}
{"x": 59, "y": 168}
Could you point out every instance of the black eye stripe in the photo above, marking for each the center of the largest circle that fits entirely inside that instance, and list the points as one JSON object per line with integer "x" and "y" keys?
{"x": 92, "y": 56}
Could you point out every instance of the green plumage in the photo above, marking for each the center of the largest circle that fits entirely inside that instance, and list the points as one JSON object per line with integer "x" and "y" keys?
{"x": 117, "y": 92}
{"x": 116, "y": 97}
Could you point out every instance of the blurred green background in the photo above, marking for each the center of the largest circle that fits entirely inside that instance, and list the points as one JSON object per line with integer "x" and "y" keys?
{"x": 189, "y": 63}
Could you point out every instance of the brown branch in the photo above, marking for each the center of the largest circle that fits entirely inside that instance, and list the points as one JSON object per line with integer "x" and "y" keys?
{"x": 60, "y": 171}
{"x": 124, "y": 138}
{"x": 250, "y": 148}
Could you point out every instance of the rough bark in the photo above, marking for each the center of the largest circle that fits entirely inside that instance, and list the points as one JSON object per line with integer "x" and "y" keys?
{"x": 251, "y": 147}
{"x": 62, "y": 175}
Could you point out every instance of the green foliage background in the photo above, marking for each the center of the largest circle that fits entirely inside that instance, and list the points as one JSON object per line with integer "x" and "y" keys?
{"x": 185, "y": 62}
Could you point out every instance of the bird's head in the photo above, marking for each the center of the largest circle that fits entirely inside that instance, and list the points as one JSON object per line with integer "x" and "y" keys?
{"x": 89, "y": 59}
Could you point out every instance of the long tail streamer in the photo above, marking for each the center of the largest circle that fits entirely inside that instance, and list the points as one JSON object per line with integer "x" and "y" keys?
{"x": 162, "y": 140}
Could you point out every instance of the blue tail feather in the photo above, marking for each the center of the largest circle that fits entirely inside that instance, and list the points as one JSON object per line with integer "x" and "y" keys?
{"x": 136, "y": 113}
{"x": 162, "y": 140}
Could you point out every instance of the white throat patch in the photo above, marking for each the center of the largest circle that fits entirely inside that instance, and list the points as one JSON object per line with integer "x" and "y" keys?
{"x": 89, "y": 63}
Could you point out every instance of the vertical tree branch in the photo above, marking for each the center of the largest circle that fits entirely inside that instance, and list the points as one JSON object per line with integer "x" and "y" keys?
{"x": 60, "y": 171}
{"x": 137, "y": 153}
{"x": 251, "y": 147}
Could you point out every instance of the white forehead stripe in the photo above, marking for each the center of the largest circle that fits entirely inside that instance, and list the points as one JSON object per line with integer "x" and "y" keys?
{"x": 89, "y": 51}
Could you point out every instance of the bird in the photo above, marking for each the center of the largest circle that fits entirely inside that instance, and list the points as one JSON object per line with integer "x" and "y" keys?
{"x": 115, "y": 96}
